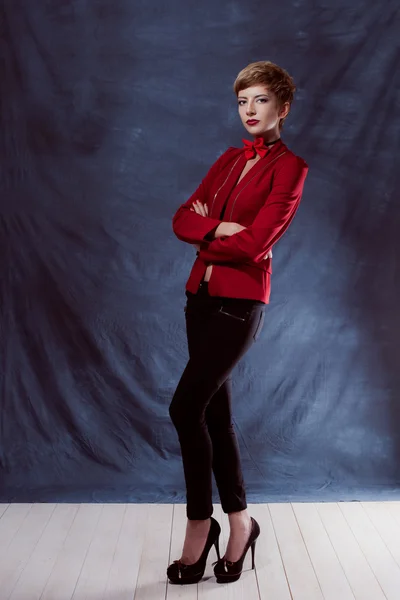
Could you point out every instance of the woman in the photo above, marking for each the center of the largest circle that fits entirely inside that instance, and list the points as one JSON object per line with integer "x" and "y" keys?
{"x": 240, "y": 210}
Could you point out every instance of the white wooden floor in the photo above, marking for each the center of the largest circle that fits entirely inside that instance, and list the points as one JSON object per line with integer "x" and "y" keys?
{"x": 120, "y": 552}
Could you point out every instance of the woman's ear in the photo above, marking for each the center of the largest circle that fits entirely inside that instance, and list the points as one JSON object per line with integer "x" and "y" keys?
{"x": 284, "y": 111}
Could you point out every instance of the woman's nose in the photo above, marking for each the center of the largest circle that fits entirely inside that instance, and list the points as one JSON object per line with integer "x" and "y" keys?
{"x": 250, "y": 109}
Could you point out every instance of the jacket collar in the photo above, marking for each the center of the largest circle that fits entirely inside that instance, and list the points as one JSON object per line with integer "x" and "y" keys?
{"x": 273, "y": 152}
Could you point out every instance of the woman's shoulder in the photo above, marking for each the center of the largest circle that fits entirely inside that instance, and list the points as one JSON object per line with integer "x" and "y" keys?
{"x": 289, "y": 157}
{"x": 225, "y": 158}
{"x": 230, "y": 153}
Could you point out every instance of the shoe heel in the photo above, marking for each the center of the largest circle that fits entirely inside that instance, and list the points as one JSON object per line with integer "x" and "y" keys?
{"x": 253, "y": 553}
{"x": 216, "y": 544}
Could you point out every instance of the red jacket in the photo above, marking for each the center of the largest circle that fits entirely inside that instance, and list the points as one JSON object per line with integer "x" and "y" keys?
{"x": 264, "y": 201}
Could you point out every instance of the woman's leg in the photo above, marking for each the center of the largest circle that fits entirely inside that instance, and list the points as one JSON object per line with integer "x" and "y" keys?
{"x": 187, "y": 412}
{"x": 218, "y": 337}
{"x": 226, "y": 457}
{"x": 229, "y": 480}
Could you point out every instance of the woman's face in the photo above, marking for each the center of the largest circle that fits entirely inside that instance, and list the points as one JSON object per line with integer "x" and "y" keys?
{"x": 260, "y": 112}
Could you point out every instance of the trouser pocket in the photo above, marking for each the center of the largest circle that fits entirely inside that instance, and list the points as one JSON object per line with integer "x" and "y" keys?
{"x": 233, "y": 312}
{"x": 259, "y": 325}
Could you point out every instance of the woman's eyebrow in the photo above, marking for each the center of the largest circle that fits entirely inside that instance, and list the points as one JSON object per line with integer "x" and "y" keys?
{"x": 258, "y": 96}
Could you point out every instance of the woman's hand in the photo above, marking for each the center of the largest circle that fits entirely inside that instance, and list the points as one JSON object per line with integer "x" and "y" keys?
{"x": 224, "y": 229}
{"x": 200, "y": 209}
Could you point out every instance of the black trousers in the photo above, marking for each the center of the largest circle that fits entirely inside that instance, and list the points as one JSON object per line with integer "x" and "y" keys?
{"x": 219, "y": 332}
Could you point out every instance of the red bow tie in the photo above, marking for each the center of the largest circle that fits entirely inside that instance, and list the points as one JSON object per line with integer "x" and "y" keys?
{"x": 256, "y": 147}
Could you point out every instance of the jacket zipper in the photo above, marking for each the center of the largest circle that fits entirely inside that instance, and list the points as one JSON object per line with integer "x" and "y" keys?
{"x": 222, "y": 185}
{"x": 270, "y": 162}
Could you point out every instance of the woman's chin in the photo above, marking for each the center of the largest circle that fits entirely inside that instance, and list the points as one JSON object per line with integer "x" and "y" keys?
{"x": 254, "y": 131}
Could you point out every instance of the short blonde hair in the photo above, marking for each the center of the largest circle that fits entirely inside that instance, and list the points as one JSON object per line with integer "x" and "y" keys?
{"x": 267, "y": 73}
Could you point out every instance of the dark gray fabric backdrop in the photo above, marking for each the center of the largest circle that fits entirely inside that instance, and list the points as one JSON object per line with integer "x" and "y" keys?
{"x": 111, "y": 113}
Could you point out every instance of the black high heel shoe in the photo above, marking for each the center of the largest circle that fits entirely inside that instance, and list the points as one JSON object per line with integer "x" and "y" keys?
{"x": 227, "y": 571}
{"x": 182, "y": 574}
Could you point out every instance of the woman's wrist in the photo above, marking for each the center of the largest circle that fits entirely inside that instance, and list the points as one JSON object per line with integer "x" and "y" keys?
{"x": 226, "y": 229}
{"x": 219, "y": 232}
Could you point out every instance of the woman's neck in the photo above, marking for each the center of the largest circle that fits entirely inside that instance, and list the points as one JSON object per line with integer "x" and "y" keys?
{"x": 270, "y": 137}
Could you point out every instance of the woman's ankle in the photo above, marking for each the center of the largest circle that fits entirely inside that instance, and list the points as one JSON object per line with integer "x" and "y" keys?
{"x": 240, "y": 514}
{"x": 239, "y": 518}
{"x": 198, "y": 523}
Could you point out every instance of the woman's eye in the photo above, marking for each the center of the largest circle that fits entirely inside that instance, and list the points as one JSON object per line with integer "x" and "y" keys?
{"x": 263, "y": 100}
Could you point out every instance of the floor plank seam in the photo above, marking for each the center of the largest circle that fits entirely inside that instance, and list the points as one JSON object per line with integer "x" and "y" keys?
{"x": 33, "y": 550}
{"x": 4, "y": 511}
{"x": 308, "y": 553}
{"x": 362, "y": 551}
{"x": 87, "y": 552}
{"x": 280, "y": 552}
{"x": 59, "y": 552}
{"x": 116, "y": 546}
{"x": 170, "y": 547}
{"x": 378, "y": 532}
{"x": 336, "y": 554}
